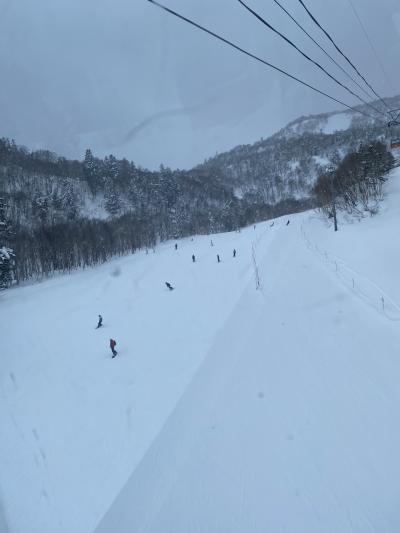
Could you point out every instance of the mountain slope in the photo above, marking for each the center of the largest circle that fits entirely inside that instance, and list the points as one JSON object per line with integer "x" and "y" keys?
{"x": 77, "y": 422}
{"x": 227, "y": 408}
{"x": 287, "y": 164}
{"x": 290, "y": 423}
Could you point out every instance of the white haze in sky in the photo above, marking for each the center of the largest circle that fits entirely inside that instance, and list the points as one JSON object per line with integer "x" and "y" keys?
{"x": 126, "y": 78}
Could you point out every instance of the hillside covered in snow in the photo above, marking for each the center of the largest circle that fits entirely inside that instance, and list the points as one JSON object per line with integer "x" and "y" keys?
{"x": 67, "y": 214}
{"x": 287, "y": 164}
{"x": 229, "y": 407}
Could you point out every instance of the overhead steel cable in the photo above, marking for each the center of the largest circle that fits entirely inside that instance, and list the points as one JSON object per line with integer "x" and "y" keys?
{"x": 291, "y": 43}
{"x": 253, "y": 56}
{"x": 396, "y": 118}
{"x": 342, "y": 53}
{"x": 371, "y": 44}
{"x": 323, "y": 49}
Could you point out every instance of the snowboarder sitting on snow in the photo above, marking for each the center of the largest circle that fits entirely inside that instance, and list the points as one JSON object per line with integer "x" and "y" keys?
{"x": 170, "y": 287}
{"x": 112, "y": 346}
{"x": 100, "y": 322}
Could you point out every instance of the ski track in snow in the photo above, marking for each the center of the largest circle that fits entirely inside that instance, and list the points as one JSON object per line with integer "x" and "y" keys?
{"x": 72, "y": 414}
{"x": 227, "y": 409}
{"x": 301, "y": 427}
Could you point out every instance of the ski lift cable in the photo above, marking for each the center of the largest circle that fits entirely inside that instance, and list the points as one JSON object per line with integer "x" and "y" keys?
{"x": 268, "y": 25}
{"x": 395, "y": 120}
{"x": 338, "y": 65}
{"x": 260, "y": 60}
{"x": 342, "y": 53}
{"x": 371, "y": 44}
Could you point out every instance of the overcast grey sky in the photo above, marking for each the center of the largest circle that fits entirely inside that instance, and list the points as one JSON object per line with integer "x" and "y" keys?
{"x": 123, "y": 77}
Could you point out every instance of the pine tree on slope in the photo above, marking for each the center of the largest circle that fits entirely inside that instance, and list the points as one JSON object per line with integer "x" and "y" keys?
{"x": 6, "y": 253}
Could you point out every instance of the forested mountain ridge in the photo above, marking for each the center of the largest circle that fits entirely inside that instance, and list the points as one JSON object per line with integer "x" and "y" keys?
{"x": 287, "y": 164}
{"x": 68, "y": 213}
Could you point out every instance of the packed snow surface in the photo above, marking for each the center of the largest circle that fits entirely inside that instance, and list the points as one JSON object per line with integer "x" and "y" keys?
{"x": 227, "y": 409}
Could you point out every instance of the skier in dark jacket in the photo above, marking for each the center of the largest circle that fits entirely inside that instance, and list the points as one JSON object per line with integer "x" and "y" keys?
{"x": 100, "y": 322}
{"x": 193, "y": 258}
{"x": 287, "y": 223}
{"x": 176, "y": 246}
{"x": 170, "y": 287}
{"x": 234, "y": 252}
{"x": 218, "y": 259}
{"x": 112, "y": 346}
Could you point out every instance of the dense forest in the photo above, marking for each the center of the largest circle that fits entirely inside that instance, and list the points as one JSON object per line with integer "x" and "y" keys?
{"x": 356, "y": 184}
{"x": 68, "y": 214}
{"x": 58, "y": 214}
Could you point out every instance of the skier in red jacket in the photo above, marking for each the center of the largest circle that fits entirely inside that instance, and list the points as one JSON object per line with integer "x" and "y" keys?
{"x": 112, "y": 346}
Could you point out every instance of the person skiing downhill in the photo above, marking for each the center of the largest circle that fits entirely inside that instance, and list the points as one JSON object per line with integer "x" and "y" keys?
{"x": 100, "y": 322}
{"x": 112, "y": 346}
{"x": 193, "y": 258}
{"x": 176, "y": 246}
{"x": 170, "y": 287}
{"x": 218, "y": 258}
{"x": 234, "y": 253}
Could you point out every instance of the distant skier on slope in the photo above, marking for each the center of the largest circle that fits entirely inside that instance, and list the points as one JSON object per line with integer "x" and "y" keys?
{"x": 193, "y": 258}
{"x": 234, "y": 252}
{"x": 112, "y": 346}
{"x": 176, "y": 246}
{"x": 271, "y": 224}
{"x": 170, "y": 287}
{"x": 100, "y": 322}
{"x": 287, "y": 223}
{"x": 218, "y": 258}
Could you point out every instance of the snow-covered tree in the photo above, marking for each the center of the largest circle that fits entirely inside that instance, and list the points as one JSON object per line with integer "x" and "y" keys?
{"x": 110, "y": 167}
{"x": 7, "y": 255}
{"x": 112, "y": 201}
{"x": 91, "y": 171}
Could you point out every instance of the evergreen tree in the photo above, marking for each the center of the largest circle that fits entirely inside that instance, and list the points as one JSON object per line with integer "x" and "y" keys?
{"x": 111, "y": 167}
{"x": 112, "y": 201}
{"x": 6, "y": 253}
{"x": 91, "y": 171}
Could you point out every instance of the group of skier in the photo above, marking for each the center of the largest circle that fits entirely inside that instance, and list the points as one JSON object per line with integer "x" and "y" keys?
{"x": 194, "y": 258}
{"x": 171, "y": 288}
{"x": 113, "y": 343}
{"x": 218, "y": 257}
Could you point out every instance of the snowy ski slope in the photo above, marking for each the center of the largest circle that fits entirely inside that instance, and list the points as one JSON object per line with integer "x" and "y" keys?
{"x": 227, "y": 409}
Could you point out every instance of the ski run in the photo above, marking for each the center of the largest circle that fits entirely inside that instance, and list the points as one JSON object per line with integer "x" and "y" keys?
{"x": 228, "y": 408}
